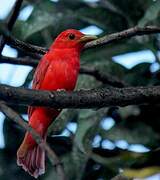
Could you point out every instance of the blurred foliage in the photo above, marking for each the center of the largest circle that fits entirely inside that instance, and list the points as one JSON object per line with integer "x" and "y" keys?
{"x": 82, "y": 158}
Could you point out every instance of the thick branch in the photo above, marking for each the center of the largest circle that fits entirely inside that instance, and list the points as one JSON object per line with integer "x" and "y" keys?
{"x": 83, "y": 98}
{"x": 11, "y": 114}
{"x": 99, "y": 42}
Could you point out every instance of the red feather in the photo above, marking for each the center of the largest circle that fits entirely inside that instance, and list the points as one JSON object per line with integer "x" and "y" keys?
{"x": 58, "y": 69}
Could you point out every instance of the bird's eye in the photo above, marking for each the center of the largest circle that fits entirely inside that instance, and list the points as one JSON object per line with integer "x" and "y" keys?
{"x": 71, "y": 36}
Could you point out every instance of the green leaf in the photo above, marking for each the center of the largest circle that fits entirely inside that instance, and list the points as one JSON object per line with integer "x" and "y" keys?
{"x": 141, "y": 173}
{"x": 123, "y": 159}
{"x": 133, "y": 10}
{"x": 87, "y": 126}
{"x": 152, "y": 13}
{"x": 87, "y": 120}
{"x": 139, "y": 72}
{"x": 131, "y": 134}
{"x": 38, "y": 20}
{"x": 87, "y": 82}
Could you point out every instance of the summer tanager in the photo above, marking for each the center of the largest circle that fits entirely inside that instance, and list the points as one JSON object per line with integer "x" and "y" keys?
{"x": 58, "y": 69}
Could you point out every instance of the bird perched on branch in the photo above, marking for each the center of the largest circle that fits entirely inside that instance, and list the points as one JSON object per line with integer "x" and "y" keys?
{"x": 58, "y": 69}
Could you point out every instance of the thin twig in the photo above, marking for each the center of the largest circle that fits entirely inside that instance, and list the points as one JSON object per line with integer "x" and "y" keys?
{"x": 96, "y": 98}
{"x": 11, "y": 114}
{"x": 11, "y": 21}
{"x": 110, "y": 38}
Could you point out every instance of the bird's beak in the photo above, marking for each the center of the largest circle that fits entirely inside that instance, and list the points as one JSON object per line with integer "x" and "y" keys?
{"x": 87, "y": 38}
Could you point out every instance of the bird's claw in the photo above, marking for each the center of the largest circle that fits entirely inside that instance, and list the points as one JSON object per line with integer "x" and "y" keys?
{"x": 60, "y": 90}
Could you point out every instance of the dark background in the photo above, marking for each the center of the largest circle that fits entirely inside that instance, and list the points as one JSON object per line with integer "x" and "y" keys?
{"x": 100, "y": 143}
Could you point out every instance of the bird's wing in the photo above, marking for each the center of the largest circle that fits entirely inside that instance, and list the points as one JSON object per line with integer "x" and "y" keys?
{"x": 40, "y": 73}
{"x": 38, "y": 78}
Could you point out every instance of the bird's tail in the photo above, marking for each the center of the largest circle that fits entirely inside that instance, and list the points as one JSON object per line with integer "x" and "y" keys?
{"x": 31, "y": 157}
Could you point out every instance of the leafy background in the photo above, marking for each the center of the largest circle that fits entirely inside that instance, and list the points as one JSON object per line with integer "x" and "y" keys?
{"x": 95, "y": 143}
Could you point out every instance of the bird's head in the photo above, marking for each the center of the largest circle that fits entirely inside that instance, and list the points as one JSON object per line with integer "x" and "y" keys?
{"x": 72, "y": 38}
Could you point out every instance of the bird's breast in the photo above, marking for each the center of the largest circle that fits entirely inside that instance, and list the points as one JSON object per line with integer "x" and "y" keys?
{"x": 61, "y": 74}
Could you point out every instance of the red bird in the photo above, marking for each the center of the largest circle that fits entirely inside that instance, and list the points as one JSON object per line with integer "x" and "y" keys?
{"x": 58, "y": 69}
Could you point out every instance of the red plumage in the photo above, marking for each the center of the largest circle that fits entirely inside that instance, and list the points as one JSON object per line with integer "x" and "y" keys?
{"x": 58, "y": 69}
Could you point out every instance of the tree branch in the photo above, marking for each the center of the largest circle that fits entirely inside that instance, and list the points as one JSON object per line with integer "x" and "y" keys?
{"x": 82, "y": 98}
{"x": 103, "y": 77}
{"x": 11, "y": 114}
{"x": 20, "y": 61}
{"x": 26, "y": 47}
{"x": 110, "y": 38}
{"x": 11, "y": 21}
{"x": 14, "y": 14}
{"x": 135, "y": 31}
{"x": 99, "y": 75}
